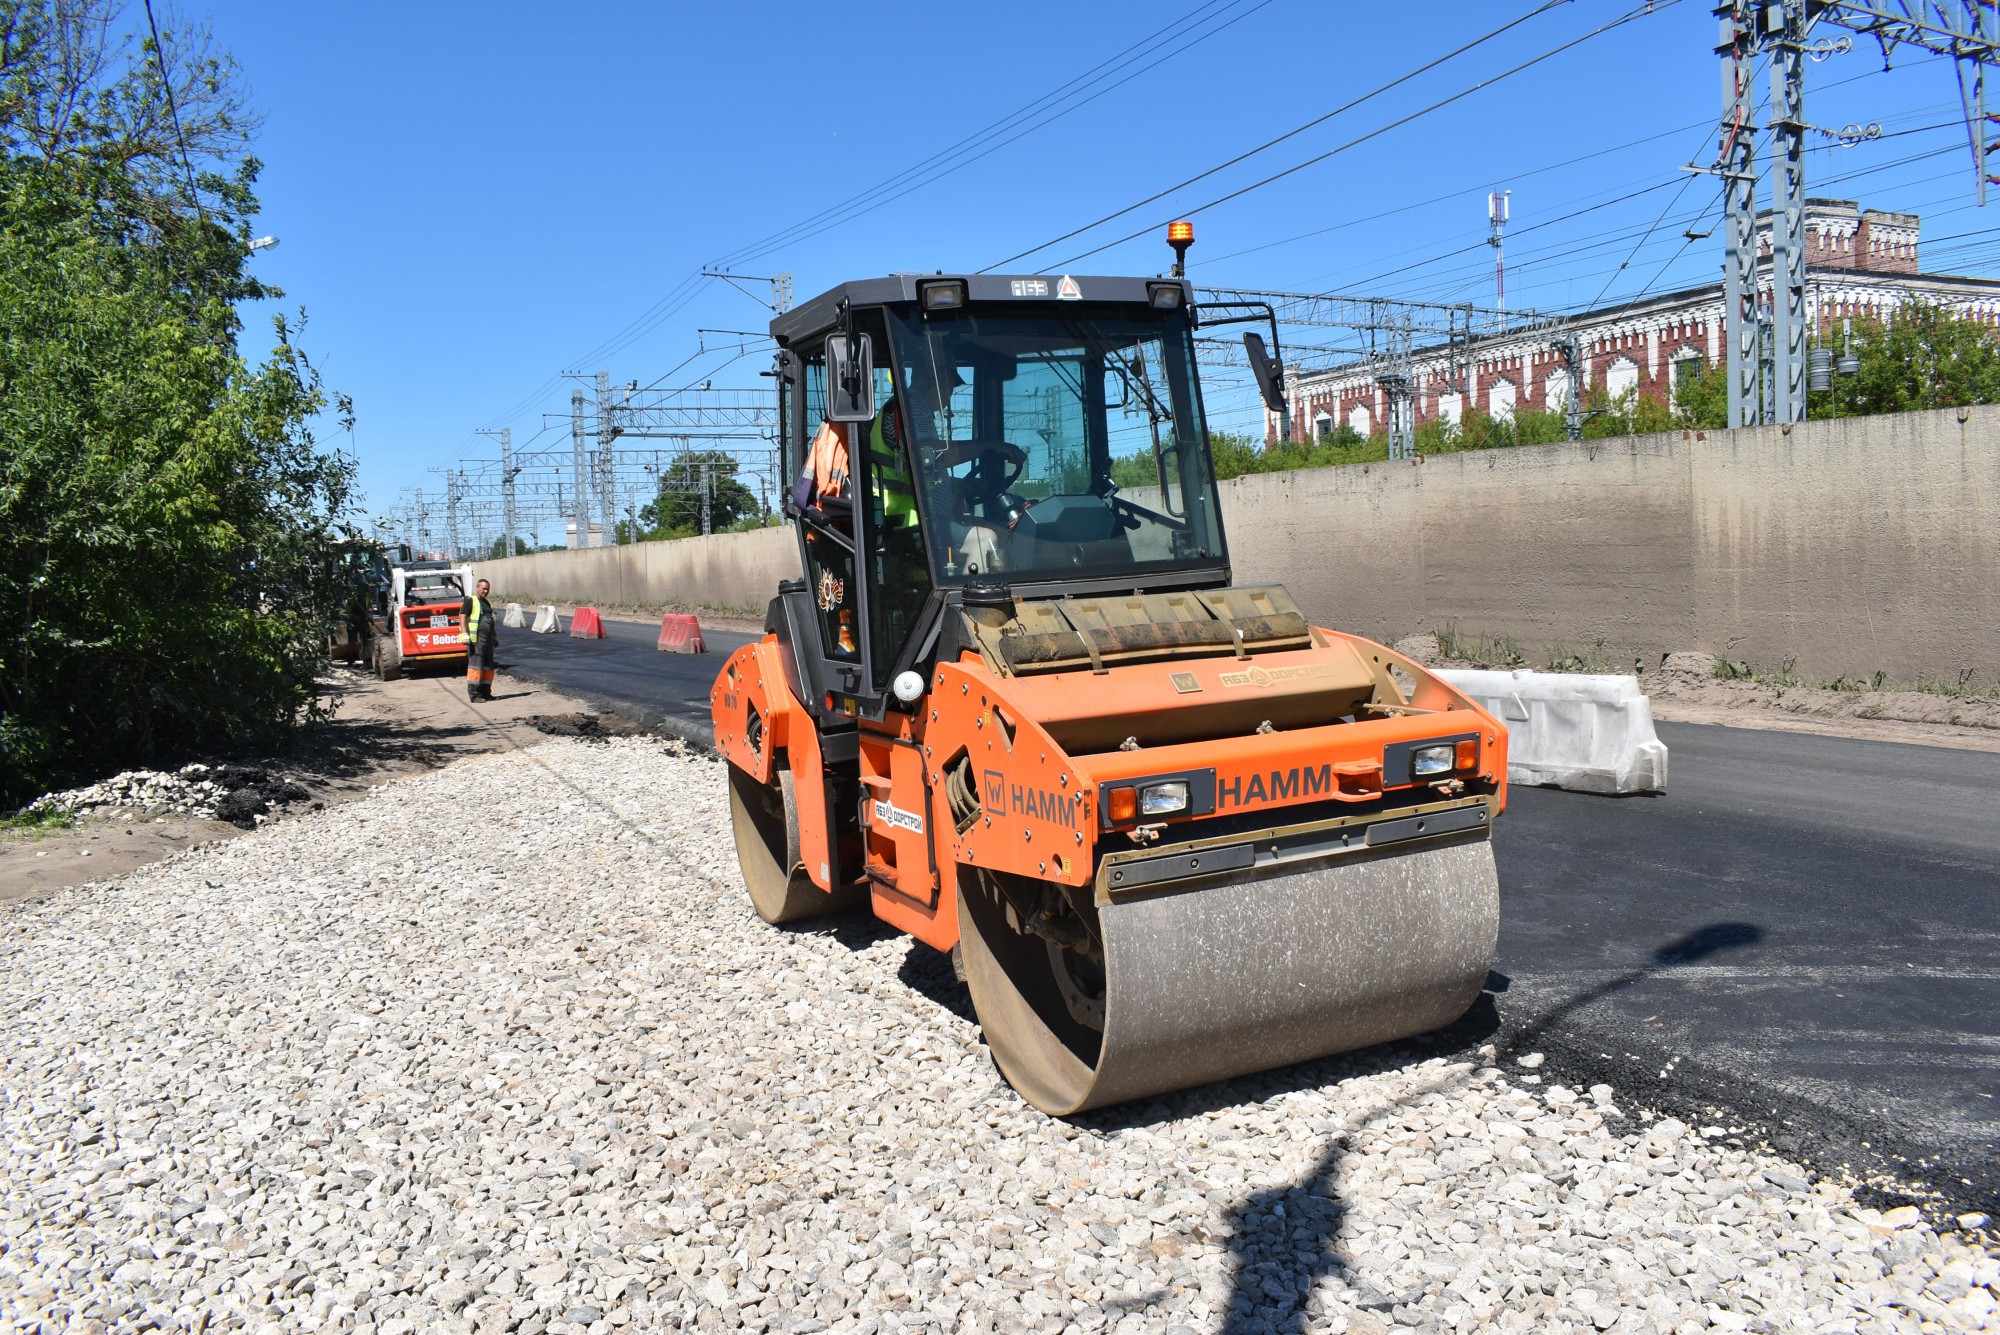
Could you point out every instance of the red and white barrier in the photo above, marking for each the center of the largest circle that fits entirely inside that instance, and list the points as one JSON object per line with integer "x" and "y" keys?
{"x": 586, "y": 624}
{"x": 680, "y": 633}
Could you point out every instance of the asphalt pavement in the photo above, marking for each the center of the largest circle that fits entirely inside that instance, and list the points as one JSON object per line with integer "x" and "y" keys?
{"x": 626, "y": 674}
{"x": 1802, "y": 930}
{"x": 1798, "y": 942}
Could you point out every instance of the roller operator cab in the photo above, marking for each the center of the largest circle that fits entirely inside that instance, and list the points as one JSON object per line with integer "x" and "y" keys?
{"x": 1171, "y": 831}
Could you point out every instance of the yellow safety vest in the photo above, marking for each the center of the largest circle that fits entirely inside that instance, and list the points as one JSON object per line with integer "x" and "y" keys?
{"x": 472, "y": 619}
{"x": 891, "y": 469}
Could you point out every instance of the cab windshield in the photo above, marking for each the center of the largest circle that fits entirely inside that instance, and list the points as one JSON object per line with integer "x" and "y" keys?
{"x": 1054, "y": 446}
{"x": 432, "y": 587}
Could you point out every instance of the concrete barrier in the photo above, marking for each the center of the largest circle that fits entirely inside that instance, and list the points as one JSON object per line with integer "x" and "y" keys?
{"x": 586, "y": 624}
{"x": 548, "y": 621}
{"x": 680, "y": 633}
{"x": 1589, "y": 734}
{"x": 514, "y": 618}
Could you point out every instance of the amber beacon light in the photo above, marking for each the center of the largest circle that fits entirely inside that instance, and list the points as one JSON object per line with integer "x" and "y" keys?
{"x": 1180, "y": 235}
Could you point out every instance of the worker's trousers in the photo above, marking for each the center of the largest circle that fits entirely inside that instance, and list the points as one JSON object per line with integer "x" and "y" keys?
{"x": 479, "y": 668}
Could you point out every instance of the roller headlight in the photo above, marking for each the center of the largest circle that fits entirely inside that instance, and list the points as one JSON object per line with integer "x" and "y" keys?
{"x": 1164, "y": 799}
{"x": 1427, "y": 761}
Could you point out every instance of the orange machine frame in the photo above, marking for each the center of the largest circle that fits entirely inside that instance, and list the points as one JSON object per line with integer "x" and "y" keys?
{"x": 1050, "y": 827}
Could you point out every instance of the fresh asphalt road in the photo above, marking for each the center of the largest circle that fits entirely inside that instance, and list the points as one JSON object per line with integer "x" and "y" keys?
{"x": 1802, "y": 930}
{"x": 625, "y": 673}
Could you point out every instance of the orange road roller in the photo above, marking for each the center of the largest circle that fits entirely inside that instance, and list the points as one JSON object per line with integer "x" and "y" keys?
{"x": 1170, "y": 831}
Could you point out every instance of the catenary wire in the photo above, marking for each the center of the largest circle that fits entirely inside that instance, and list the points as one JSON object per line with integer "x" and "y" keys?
{"x": 869, "y": 201}
{"x": 1373, "y": 93}
{"x": 1628, "y": 17}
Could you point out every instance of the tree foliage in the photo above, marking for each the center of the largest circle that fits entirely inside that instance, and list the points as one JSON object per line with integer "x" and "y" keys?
{"x": 167, "y": 519}
{"x": 1926, "y": 355}
{"x": 675, "y": 511}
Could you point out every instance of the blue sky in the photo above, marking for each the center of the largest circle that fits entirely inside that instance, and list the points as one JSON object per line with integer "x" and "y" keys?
{"x": 473, "y": 199}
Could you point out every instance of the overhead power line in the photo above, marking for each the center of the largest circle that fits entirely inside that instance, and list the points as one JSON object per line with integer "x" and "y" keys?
{"x": 1292, "y": 133}
{"x": 173, "y": 110}
{"x": 1008, "y": 129}
{"x": 1645, "y": 10}
{"x": 925, "y": 172}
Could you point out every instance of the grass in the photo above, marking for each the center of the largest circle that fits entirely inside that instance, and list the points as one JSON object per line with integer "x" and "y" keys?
{"x": 1964, "y": 686}
{"x": 36, "y": 820}
{"x": 1498, "y": 651}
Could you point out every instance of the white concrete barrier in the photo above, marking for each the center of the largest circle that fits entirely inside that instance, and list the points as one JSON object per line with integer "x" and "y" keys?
{"x": 547, "y": 621}
{"x": 1590, "y": 734}
{"x": 513, "y": 618}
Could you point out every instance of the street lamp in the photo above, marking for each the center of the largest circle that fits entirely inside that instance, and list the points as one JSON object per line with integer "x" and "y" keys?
{"x": 263, "y": 243}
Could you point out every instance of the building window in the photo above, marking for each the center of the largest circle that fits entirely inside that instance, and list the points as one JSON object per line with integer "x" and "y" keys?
{"x": 1621, "y": 378}
{"x": 1555, "y": 391}
{"x": 1361, "y": 419}
{"x": 1688, "y": 363}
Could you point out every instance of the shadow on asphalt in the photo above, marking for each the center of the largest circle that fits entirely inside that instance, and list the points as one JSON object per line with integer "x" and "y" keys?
{"x": 1692, "y": 948}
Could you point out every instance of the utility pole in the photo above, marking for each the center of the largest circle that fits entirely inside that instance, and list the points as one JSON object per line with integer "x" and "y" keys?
{"x": 1965, "y": 31}
{"x": 451, "y": 481}
{"x": 1737, "y": 163}
{"x": 508, "y": 514}
{"x": 1571, "y": 350}
{"x": 1785, "y": 36}
{"x": 607, "y": 459}
{"x": 1398, "y": 382}
{"x": 582, "y": 470}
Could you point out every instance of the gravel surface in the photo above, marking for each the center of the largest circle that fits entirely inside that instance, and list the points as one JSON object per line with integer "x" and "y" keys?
{"x": 240, "y": 794}
{"x": 502, "y": 1047}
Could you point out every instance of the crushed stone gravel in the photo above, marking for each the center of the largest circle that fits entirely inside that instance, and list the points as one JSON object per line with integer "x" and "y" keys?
{"x": 240, "y": 794}
{"x": 503, "y": 1048}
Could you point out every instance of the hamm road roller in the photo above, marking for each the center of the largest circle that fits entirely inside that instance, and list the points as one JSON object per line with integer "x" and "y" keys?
{"x": 1170, "y": 831}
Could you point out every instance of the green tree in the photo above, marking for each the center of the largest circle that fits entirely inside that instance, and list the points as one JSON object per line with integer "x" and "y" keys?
{"x": 1926, "y": 356}
{"x": 168, "y": 523}
{"x": 1701, "y": 397}
{"x": 675, "y": 512}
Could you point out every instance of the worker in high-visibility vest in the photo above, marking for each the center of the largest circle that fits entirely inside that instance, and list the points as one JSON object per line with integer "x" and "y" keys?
{"x": 889, "y": 467}
{"x": 480, "y": 632}
{"x": 825, "y": 484}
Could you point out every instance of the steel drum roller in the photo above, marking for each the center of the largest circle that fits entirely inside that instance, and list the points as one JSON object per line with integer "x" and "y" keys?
{"x": 1203, "y": 981}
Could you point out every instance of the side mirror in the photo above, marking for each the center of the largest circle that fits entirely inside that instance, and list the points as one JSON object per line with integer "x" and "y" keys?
{"x": 850, "y": 378}
{"x": 1270, "y": 374}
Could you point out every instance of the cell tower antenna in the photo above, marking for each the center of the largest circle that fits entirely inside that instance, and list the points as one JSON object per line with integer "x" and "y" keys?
{"x": 1496, "y": 215}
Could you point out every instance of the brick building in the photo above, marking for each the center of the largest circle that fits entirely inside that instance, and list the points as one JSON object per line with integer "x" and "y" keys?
{"x": 1859, "y": 263}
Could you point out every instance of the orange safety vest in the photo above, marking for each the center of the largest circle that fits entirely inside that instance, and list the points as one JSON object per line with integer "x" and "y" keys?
{"x": 829, "y": 461}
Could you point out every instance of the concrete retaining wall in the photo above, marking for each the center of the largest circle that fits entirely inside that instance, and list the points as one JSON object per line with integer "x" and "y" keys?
{"x": 728, "y": 570}
{"x": 1851, "y": 547}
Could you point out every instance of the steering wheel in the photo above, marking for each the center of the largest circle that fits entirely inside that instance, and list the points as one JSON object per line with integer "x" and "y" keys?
{"x": 996, "y": 466}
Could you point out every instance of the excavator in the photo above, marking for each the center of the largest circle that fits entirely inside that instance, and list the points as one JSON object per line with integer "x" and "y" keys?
{"x": 1169, "y": 830}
